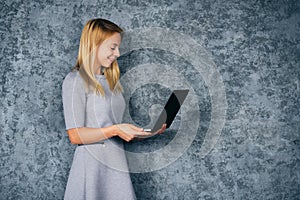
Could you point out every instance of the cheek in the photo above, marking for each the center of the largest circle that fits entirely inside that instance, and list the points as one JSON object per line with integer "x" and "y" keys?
{"x": 100, "y": 55}
{"x": 103, "y": 53}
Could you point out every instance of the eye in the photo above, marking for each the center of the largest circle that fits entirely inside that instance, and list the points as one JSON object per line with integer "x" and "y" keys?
{"x": 113, "y": 49}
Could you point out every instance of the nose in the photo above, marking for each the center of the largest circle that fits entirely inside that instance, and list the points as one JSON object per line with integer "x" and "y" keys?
{"x": 117, "y": 53}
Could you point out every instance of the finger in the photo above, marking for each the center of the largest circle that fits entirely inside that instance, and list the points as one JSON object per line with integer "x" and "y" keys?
{"x": 142, "y": 133}
{"x": 125, "y": 136}
{"x": 135, "y": 128}
{"x": 163, "y": 128}
{"x": 129, "y": 138}
{"x": 146, "y": 133}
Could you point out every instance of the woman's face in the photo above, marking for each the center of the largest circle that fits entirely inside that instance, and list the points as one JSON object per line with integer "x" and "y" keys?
{"x": 108, "y": 51}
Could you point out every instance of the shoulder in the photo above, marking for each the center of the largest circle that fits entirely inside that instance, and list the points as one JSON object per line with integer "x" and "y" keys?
{"x": 73, "y": 82}
{"x": 73, "y": 79}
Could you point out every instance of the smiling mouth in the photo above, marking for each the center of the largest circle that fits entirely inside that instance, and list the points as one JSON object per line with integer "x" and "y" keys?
{"x": 111, "y": 60}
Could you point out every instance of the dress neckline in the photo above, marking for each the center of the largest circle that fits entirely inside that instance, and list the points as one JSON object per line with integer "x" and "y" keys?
{"x": 100, "y": 76}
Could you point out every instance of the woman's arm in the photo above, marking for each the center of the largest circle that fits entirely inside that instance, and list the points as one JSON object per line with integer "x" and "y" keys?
{"x": 85, "y": 135}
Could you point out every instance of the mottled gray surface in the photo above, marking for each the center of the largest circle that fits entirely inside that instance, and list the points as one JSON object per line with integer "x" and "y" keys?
{"x": 256, "y": 47}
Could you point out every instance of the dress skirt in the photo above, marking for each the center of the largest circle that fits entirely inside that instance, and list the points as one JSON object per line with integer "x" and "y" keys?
{"x": 98, "y": 172}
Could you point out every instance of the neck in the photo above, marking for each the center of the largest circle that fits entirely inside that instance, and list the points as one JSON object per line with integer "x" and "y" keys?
{"x": 100, "y": 70}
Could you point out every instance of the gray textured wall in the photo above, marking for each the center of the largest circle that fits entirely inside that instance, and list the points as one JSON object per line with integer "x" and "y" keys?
{"x": 255, "y": 46}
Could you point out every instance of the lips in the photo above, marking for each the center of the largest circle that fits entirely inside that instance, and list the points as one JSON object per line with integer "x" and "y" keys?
{"x": 111, "y": 60}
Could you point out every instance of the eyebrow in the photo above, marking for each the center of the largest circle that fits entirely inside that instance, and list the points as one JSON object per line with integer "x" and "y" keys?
{"x": 115, "y": 44}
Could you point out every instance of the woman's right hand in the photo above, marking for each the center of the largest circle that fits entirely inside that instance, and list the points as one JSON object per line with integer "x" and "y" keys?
{"x": 128, "y": 131}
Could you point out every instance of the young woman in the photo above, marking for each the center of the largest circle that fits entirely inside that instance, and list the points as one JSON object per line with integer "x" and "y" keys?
{"x": 93, "y": 109}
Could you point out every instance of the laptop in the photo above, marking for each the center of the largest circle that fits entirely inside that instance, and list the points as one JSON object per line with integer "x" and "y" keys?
{"x": 170, "y": 111}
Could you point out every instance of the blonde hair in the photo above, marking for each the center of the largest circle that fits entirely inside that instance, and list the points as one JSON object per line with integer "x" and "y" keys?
{"x": 93, "y": 34}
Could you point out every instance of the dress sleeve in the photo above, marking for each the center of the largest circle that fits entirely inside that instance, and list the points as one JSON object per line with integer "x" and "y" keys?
{"x": 74, "y": 101}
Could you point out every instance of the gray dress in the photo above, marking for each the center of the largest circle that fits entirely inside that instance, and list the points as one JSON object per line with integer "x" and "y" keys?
{"x": 99, "y": 171}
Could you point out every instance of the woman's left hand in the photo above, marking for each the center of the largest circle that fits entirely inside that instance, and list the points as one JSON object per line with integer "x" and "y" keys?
{"x": 161, "y": 130}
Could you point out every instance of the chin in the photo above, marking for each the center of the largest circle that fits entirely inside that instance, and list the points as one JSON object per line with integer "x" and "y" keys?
{"x": 107, "y": 66}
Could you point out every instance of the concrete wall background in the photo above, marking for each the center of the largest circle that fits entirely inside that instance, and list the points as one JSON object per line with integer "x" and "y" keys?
{"x": 255, "y": 46}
